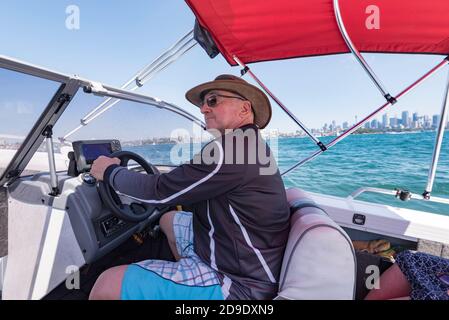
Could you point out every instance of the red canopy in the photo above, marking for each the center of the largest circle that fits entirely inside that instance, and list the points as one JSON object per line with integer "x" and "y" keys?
{"x": 260, "y": 30}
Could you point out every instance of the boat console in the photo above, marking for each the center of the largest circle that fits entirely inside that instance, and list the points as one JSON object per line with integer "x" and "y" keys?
{"x": 78, "y": 226}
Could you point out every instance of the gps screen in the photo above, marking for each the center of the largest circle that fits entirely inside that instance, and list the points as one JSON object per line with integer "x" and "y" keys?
{"x": 93, "y": 151}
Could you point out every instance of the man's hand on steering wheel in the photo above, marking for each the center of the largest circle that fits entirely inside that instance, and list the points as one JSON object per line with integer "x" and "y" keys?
{"x": 100, "y": 164}
{"x": 136, "y": 211}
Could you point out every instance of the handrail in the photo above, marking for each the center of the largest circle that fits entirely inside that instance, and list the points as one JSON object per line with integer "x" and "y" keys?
{"x": 395, "y": 193}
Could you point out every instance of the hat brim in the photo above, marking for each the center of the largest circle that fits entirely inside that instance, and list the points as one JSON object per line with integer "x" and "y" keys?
{"x": 259, "y": 101}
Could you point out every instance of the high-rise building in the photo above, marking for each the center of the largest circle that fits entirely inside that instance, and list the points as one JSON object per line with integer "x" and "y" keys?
{"x": 334, "y": 125}
{"x": 415, "y": 116}
{"x": 435, "y": 120}
{"x": 345, "y": 125}
{"x": 393, "y": 122}
{"x": 405, "y": 119}
{"x": 385, "y": 120}
{"x": 426, "y": 122}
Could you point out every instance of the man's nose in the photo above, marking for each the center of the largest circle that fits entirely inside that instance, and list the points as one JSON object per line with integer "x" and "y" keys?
{"x": 204, "y": 108}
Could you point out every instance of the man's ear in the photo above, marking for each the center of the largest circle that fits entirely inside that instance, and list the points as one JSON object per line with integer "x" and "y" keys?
{"x": 246, "y": 109}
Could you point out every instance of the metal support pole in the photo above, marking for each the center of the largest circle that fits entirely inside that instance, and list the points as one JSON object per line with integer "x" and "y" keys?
{"x": 360, "y": 123}
{"x": 105, "y": 105}
{"x": 181, "y": 47}
{"x": 303, "y": 161}
{"x": 399, "y": 96}
{"x": 288, "y": 112}
{"x": 137, "y": 78}
{"x": 48, "y": 133}
{"x": 358, "y": 56}
{"x": 112, "y": 92}
{"x": 33, "y": 70}
{"x": 438, "y": 143}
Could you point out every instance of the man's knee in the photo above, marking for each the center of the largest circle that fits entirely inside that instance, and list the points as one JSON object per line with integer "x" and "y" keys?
{"x": 109, "y": 284}
{"x": 166, "y": 224}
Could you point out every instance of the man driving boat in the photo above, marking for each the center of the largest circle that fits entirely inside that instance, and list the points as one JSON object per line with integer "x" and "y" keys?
{"x": 231, "y": 244}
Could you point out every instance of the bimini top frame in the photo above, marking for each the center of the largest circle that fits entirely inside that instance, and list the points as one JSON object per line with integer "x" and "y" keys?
{"x": 61, "y": 99}
{"x": 185, "y": 44}
{"x": 250, "y": 31}
{"x": 390, "y": 101}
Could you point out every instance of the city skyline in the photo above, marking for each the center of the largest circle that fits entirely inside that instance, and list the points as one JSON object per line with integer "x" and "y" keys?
{"x": 407, "y": 121}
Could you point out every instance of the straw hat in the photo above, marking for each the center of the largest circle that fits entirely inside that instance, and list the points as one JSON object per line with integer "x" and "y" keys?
{"x": 259, "y": 101}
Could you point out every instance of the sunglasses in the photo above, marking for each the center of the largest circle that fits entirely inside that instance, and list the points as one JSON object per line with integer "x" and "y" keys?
{"x": 212, "y": 100}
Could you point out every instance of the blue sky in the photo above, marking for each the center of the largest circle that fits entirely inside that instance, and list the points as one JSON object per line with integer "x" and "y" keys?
{"x": 117, "y": 38}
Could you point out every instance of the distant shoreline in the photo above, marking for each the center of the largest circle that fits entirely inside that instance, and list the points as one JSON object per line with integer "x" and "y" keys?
{"x": 365, "y": 133}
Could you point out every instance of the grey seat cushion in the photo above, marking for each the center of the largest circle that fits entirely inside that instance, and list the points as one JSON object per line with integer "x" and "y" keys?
{"x": 319, "y": 261}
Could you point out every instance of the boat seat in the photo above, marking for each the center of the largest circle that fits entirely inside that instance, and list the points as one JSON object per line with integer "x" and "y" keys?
{"x": 319, "y": 260}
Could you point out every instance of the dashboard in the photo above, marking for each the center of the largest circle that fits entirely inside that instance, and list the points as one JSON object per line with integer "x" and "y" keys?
{"x": 96, "y": 228}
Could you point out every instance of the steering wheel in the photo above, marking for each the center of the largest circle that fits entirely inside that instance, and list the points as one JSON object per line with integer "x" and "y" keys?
{"x": 136, "y": 211}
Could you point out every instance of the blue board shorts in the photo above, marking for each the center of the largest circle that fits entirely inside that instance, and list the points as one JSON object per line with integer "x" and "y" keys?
{"x": 187, "y": 279}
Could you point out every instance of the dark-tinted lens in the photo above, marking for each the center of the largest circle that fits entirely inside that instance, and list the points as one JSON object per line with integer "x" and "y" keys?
{"x": 211, "y": 101}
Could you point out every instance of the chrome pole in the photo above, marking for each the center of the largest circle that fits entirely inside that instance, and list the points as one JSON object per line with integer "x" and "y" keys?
{"x": 109, "y": 91}
{"x": 304, "y": 161}
{"x": 155, "y": 62}
{"x": 357, "y": 54}
{"x": 288, "y": 112}
{"x": 399, "y": 96}
{"x": 48, "y": 133}
{"x": 438, "y": 143}
{"x": 360, "y": 123}
{"x": 359, "y": 191}
{"x": 105, "y": 107}
{"x": 411, "y": 195}
{"x": 166, "y": 61}
{"x": 157, "y": 65}
{"x": 33, "y": 70}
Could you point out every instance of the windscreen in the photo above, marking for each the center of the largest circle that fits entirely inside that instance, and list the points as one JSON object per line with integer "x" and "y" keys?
{"x": 23, "y": 98}
{"x": 158, "y": 135}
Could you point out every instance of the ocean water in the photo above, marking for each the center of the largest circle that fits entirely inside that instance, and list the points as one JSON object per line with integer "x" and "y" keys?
{"x": 386, "y": 161}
